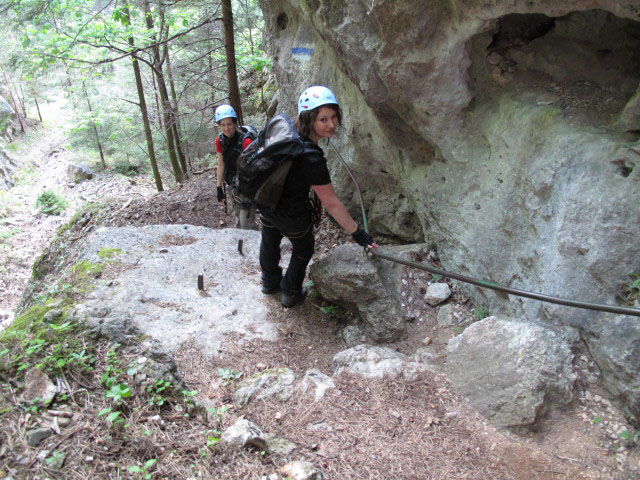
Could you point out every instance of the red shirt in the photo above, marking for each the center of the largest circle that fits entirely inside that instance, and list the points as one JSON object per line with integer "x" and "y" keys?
{"x": 245, "y": 144}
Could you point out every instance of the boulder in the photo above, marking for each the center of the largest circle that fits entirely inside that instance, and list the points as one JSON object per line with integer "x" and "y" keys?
{"x": 38, "y": 388}
{"x": 76, "y": 172}
{"x": 317, "y": 382}
{"x": 301, "y": 470}
{"x": 371, "y": 361}
{"x": 437, "y": 293}
{"x": 510, "y": 371}
{"x": 275, "y": 382}
{"x": 366, "y": 285}
{"x": 37, "y": 435}
{"x": 245, "y": 434}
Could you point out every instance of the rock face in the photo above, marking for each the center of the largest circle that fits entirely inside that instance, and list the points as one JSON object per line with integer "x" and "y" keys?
{"x": 511, "y": 371}
{"x": 504, "y": 133}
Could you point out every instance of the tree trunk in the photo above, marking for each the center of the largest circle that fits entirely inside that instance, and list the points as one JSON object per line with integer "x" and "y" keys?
{"x": 145, "y": 115}
{"x": 38, "y": 109}
{"x": 13, "y": 101}
{"x": 156, "y": 98}
{"x": 230, "y": 52}
{"x": 95, "y": 127}
{"x": 164, "y": 98}
{"x": 174, "y": 110}
{"x": 24, "y": 107}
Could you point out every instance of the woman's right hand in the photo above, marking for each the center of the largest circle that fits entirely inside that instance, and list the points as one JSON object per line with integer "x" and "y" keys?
{"x": 363, "y": 239}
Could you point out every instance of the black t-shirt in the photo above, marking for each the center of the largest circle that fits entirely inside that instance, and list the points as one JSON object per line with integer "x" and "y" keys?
{"x": 308, "y": 169}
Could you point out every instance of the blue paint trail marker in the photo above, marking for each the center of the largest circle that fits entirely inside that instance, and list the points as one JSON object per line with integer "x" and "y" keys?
{"x": 302, "y": 51}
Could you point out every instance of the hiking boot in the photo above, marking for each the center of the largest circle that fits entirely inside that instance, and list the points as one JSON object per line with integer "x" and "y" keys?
{"x": 270, "y": 290}
{"x": 289, "y": 301}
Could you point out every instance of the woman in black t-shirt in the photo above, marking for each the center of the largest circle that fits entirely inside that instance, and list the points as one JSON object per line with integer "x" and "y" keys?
{"x": 318, "y": 117}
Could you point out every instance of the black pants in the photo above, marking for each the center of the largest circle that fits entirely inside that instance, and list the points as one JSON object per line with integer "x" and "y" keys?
{"x": 300, "y": 232}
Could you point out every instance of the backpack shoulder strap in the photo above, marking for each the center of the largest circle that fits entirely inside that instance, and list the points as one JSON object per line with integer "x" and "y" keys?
{"x": 311, "y": 150}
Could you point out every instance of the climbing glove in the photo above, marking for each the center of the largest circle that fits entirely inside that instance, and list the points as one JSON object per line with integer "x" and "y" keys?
{"x": 219, "y": 194}
{"x": 362, "y": 238}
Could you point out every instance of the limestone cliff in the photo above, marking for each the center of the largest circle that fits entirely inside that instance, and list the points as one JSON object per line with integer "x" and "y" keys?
{"x": 505, "y": 133}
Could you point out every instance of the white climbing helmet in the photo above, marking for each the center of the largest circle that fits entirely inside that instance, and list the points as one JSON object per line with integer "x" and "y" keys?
{"x": 314, "y": 97}
{"x": 225, "y": 111}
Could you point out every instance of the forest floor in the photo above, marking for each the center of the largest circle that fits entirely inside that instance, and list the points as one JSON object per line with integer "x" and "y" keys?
{"x": 383, "y": 429}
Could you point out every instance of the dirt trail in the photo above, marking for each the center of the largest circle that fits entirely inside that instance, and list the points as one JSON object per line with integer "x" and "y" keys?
{"x": 42, "y": 165}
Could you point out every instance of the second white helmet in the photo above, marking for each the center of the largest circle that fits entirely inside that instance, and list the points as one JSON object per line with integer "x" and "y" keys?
{"x": 225, "y": 111}
{"x": 314, "y": 97}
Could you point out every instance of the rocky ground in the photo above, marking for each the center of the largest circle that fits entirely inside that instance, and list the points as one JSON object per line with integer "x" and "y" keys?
{"x": 374, "y": 429}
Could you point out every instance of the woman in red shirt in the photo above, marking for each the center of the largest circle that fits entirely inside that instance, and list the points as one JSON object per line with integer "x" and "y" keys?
{"x": 229, "y": 144}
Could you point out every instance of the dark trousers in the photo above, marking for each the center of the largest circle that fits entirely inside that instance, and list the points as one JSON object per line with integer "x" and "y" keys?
{"x": 300, "y": 233}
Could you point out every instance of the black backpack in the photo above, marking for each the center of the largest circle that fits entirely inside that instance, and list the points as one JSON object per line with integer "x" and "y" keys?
{"x": 263, "y": 166}
{"x": 230, "y": 155}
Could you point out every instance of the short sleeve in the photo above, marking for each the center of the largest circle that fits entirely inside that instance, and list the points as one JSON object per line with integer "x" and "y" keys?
{"x": 316, "y": 172}
{"x": 218, "y": 146}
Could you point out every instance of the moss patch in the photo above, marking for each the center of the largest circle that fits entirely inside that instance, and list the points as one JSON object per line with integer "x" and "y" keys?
{"x": 106, "y": 252}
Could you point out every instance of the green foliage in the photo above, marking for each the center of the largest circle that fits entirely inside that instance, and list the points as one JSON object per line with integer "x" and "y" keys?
{"x": 124, "y": 167}
{"x": 219, "y": 412}
{"x": 85, "y": 212}
{"x": 143, "y": 470}
{"x": 480, "y": 312}
{"x": 113, "y": 368}
{"x": 112, "y": 416}
{"x": 79, "y": 47}
{"x": 213, "y": 438}
{"x": 157, "y": 391}
{"x": 597, "y": 420}
{"x": 631, "y": 437}
{"x": 34, "y": 406}
{"x": 188, "y": 396}
{"x": 330, "y": 309}
{"x": 228, "y": 375}
{"x": 253, "y": 59}
{"x": 52, "y": 346}
{"x": 50, "y": 203}
{"x": 6, "y": 234}
{"x": 55, "y": 460}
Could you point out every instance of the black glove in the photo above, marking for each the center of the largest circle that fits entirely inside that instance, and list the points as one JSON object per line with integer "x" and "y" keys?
{"x": 362, "y": 238}
{"x": 219, "y": 194}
